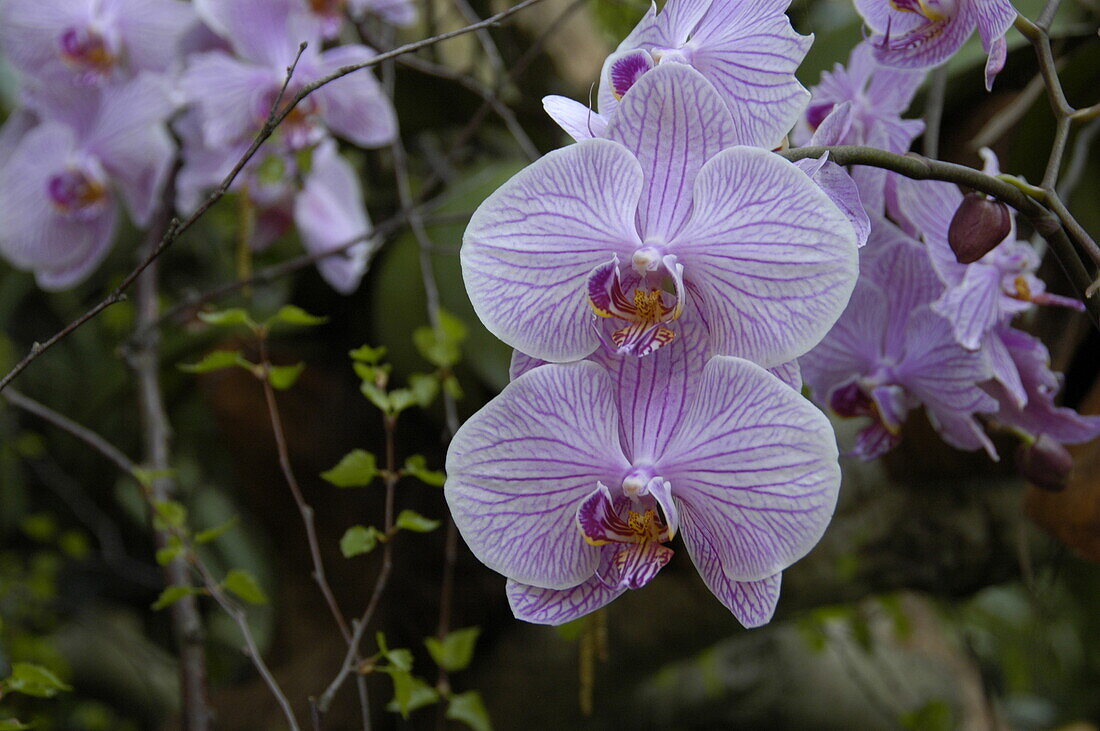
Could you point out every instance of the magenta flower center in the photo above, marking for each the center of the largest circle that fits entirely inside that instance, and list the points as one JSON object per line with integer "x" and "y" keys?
{"x": 633, "y": 530}
{"x": 87, "y": 49}
{"x": 77, "y": 194}
{"x": 645, "y": 307}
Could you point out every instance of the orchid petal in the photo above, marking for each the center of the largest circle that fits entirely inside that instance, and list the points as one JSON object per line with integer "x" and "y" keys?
{"x": 972, "y": 307}
{"x": 267, "y": 32}
{"x": 842, "y": 191}
{"x": 580, "y": 122}
{"x": 230, "y": 95}
{"x": 753, "y": 465}
{"x": 355, "y": 106}
{"x": 558, "y": 606}
{"x": 518, "y": 470}
{"x": 153, "y": 30}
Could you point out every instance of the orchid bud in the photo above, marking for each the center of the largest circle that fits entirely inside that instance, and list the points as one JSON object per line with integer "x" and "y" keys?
{"x": 1045, "y": 463}
{"x": 979, "y": 224}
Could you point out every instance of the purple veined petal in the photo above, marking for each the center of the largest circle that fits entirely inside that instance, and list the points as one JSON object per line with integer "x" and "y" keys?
{"x": 42, "y": 237}
{"x": 879, "y": 15}
{"x": 790, "y": 373}
{"x": 96, "y": 244}
{"x": 973, "y": 307}
{"x": 944, "y": 376}
{"x": 18, "y": 123}
{"x": 131, "y": 140}
{"x": 233, "y": 97}
{"x": 265, "y": 32}
{"x": 329, "y": 213}
{"x": 579, "y": 122}
{"x": 752, "y": 602}
{"x": 754, "y": 467}
{"x": 750, "y": 52}
{"x": 842, "y": 191}
{"x": 925, "y": 204}
{"x": 1005, "y": 370}
{"x": 889, "y": 89}
{"x": 892, "y": 406}
{"x": 529, "y": 248}
{"x": 928, "y": 44}
{"x": 558, "y": 606}
{"x": 668, "y": 28}
{"x": 518, "y": 469}
{"x": 152, "y": 31}
{"x": 769, "y": 259}
{"x": 833, "y": 129}
{"x": 521, "y": 363}
{"x": 873, "y": 441}
{"x": 625, "y": 68}
{"x": 356, "y": 107}
{"x": 673, "y": 121}
{"x": 998, "y": 54}
{"x": 993, "y": 18}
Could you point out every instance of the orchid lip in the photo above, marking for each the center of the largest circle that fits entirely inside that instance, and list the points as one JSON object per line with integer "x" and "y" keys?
{"x": 86, "y": 49}
{"x": 77, "y": 193}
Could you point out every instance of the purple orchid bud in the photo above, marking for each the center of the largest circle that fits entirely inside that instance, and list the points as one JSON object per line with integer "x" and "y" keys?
{"x": 978, "y": 226}
{"x": 1045, "y": 463}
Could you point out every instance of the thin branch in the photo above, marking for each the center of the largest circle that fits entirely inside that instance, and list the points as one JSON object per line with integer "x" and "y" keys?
{"x": 1010, "y": 115}
{"x": 278, "y": 113}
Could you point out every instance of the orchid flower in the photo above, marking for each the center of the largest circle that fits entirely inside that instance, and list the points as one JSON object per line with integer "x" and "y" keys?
{"x": 981, "y": 295}
{"x": 93, "y": 148}
{"x": 920, "y": 34}
{"x": 747, "y": 50}
{"x": 91, "y": 42}
{"x": 890, "y": 352}
{"x": 332, "y": 13}
{"x": 741, "y": 237}
{"x": 573, "y": 480}
{"x": 234, "y": 95}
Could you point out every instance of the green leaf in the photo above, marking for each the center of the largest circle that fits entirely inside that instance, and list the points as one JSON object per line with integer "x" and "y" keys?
{"x": 377, "y": 396}
{"x": 417, "y": 466}
{"x": 454, "y": 330}
{"x": 216, "y": 361}
{"x": 358, "y": 468}
{"x": 367, "y": 354}
{"x": 456, "y": 650}
{"x": 228, "y": 318}
{"x": 11, "y": 724}
{"x": 244, "y": 585}
{"x": 169, "y": 514}
{"x": 435, "y": 348}
{"x": 283, "y": 377}
{"x": 358, "y": 540}
{"x": 424, "y": 388}
{"x": 34, "y": 680}
{"x": 401, "y": 399}
{"x": 169, "y": 552}
{"x": 401, "y": 659}
{"x": 409, "y": 692}
{"x": 146, "y": 478}
{"x": 469, "y": 709}
{"x": 414, "y": 521}
{"x": 294, "y": 315}
{"x": 173, "y": 594}
{"x": 213, "y": 534}
{"x": 453, "y": 387}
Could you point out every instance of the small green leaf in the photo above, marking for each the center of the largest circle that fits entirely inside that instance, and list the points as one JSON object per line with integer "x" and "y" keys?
{"x": 358, "y": 468}
{"x": 453, "y": 387}
{"x": 377, "y": 396}
{"x": 401, "y": 399}
{"x": 401, "y": 659}
{"x": 170, "y": 551}
{"x": 11, "y": 724}
{"x": 216, "y": 361}
{"x": 414, "y": 521}
{"x": 424, "y": 387}
{"x": 173, "y": 594}
{"x": 358, "y": 540}
{"x": 33, "y": 680}
{"x": 454, "y": 330}
{"x": 244, "y": 585}
{"x": 455, "y": 651}
{"x": 41, "y": 527}
{"x": 294, "y": 315}
{"x": 367, "y": 354}
{"x": 410, "y": 693}
{"x": 434, "y": 349}
{"x": 169, "y": 514}
{"x": 213, "y": 534}
{"x": 283, "y": 377}
{"x": 228, "y": 318}
{"x": 417, "y": 466}
{"x": 469, "y": 709}
{"x": 146, "y": 478}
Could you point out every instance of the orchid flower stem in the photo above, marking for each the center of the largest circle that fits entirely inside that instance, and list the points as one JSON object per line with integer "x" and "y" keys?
{"x": 933, "y": 113}
{"x": 1046, "y": 224}
{"x": 275, "y": 117}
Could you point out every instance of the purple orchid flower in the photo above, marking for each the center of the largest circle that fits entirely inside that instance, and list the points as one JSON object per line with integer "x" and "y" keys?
{"x": 749, "y": 244}
{"x": 726, "y": 456}
{"x": 68, "y": 173}
{"x": 331, "y": 14}
{"x": 925, "y": 33}
{"x": 90, "y": 42}
{"x": 235, "y": 95}
{"x": 1030, "y": 408}
{"x": 890, "y": 353}
{"x": 746, "y": 49}
{"x": 981, "y": 295}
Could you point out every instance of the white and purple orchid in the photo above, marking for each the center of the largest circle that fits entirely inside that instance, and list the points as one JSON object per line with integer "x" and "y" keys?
{"x": 746, "y": 49}
{"x": 924, "y": 33}
{"x": 747, "y": 243}
{"x": 574, "y": 478}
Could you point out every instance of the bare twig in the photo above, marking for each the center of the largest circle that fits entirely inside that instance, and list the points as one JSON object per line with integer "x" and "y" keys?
{"x": 278, "y": 113}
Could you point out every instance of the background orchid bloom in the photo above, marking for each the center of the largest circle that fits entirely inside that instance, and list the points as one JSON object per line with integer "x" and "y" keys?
{"x": 575, "y": 506}
{"x": 234, "y": 95}
{"x": 747, "y": 50}
{"x": 925, "y": 33}
{"x": 92, "y": 42}
{"x": 890, "y": 352}
{"x": 758, "y": 251}
{"x": 67, "y": 175}
{"x": 331, "y": 14}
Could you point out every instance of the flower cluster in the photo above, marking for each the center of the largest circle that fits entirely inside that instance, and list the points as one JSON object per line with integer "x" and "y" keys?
{"x": 101, "y": 80}
{"x": 658, "y": 279}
